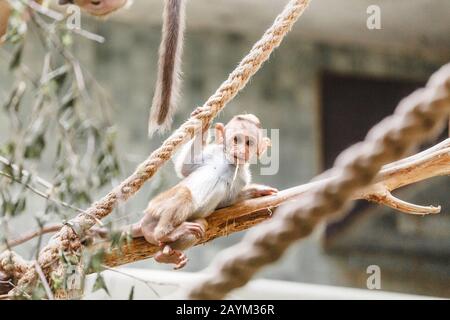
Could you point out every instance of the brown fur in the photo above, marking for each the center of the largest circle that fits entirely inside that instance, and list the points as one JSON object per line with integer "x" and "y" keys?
{"x": 94, "y": 11}
{"x": 5, "y": 286}
{"x": 170, "y": 209}
{"x": 188, "y": 240}
{"x": 168, "y": 79}
{"x": 5, "y": 12}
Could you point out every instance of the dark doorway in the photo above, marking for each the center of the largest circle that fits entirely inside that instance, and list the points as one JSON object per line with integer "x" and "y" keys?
{"x": 351, "y": 105}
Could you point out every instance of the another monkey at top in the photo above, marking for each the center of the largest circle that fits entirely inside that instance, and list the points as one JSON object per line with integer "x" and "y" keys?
{"x": 98, "y": 8}
{"x": 215, "y": 176}
{"x": 168, "y": 81}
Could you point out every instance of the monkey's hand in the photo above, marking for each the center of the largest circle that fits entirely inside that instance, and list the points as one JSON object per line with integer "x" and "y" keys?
{"x": 185, "y": 230}
{"x": 256, "y": 191}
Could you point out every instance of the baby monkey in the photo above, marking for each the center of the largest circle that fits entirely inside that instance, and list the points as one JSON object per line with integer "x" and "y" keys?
{"x": 214, "y": 175}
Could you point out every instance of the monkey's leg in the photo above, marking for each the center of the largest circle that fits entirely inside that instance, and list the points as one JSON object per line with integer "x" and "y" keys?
{"x": 186, "y": 234}
{"x": 146, "y": 230}
{"x": 183, "y": 237}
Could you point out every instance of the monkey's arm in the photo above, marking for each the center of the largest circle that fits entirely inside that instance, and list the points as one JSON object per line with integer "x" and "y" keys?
{"x": 249, "y": 192}
{"x": 191, "y": 156}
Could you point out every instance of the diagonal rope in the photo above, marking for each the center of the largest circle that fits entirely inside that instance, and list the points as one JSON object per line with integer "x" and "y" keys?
{"x": 416, "y": 117}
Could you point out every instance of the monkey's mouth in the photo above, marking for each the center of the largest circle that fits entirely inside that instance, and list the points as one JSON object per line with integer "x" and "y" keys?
{"x": 238, "y": 159}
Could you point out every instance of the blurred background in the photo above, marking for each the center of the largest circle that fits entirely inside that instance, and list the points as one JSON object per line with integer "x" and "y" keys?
{"x": 328, "y": 83}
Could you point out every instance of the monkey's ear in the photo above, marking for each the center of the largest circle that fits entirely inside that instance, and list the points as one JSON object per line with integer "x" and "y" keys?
{"x": 219, "y": 133}
{"x": 265, "y": 143}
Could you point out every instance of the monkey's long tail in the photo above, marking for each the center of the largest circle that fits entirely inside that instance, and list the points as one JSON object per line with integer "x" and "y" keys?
{"x": 167, "y": 87}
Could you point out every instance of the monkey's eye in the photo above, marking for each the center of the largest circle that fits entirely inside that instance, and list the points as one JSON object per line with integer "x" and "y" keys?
{"x": 235, "y": 140}
{"x": 96, "y": 2}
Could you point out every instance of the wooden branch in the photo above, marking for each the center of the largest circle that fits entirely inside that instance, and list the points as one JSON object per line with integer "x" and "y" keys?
{"x": 244, "y": 215}
{"x": 33, "y": 234}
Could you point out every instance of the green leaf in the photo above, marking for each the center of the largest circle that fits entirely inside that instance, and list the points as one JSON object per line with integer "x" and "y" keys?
{"x": 35, "y": 148}
{"x": 38, "y": 293}
{"x": 57, "y": 281}
{"x": 19, "y": 206}
{"x": 96, "y": 261}
{"x": 100, "y": 284}
{"x": 17, "y": 57}
{"x": 131, "y": 294}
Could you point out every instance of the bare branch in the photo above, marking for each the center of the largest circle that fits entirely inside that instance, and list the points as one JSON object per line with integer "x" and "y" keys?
{"x": 385, "y": 197}
{"x": 26, "y": 173}
{"x": 33, "y": 234}
{"x": 44, "y": 281}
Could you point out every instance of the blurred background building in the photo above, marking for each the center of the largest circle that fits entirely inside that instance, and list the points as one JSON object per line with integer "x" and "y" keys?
{"x": 328, "y": 83}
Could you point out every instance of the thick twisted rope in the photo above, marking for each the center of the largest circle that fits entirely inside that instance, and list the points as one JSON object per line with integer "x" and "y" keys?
{"x": 12, "y": 265}
{"x": 68, "y": 240}
{"x": 416, "y": 117}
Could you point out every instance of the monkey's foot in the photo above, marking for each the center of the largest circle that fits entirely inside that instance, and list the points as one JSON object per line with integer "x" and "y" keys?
{"x": 169, "y": 255}
{"x": 262, "y": 191}
{"x": 186, "y": 228}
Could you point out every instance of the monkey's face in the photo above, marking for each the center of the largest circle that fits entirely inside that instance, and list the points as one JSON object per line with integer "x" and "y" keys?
{"x": 97, "y": 7}
{"x": 242, "y": 138}
{"x": 241, "y": 141}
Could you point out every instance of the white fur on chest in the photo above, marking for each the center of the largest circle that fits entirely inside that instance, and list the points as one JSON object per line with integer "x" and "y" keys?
{"x": 216, "y": 183}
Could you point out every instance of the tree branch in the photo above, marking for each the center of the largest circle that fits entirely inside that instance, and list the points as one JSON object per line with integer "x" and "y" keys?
{"x": 244, "y": 215}
{"x": 33, "y": 234}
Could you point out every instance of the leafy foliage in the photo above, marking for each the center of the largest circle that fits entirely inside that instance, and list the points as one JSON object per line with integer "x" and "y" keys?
{"x": 57, "y": 118}
{"x": 58, "y": 124}
{"x": 131, "y": 294}
{"x": 100, "y": 284}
